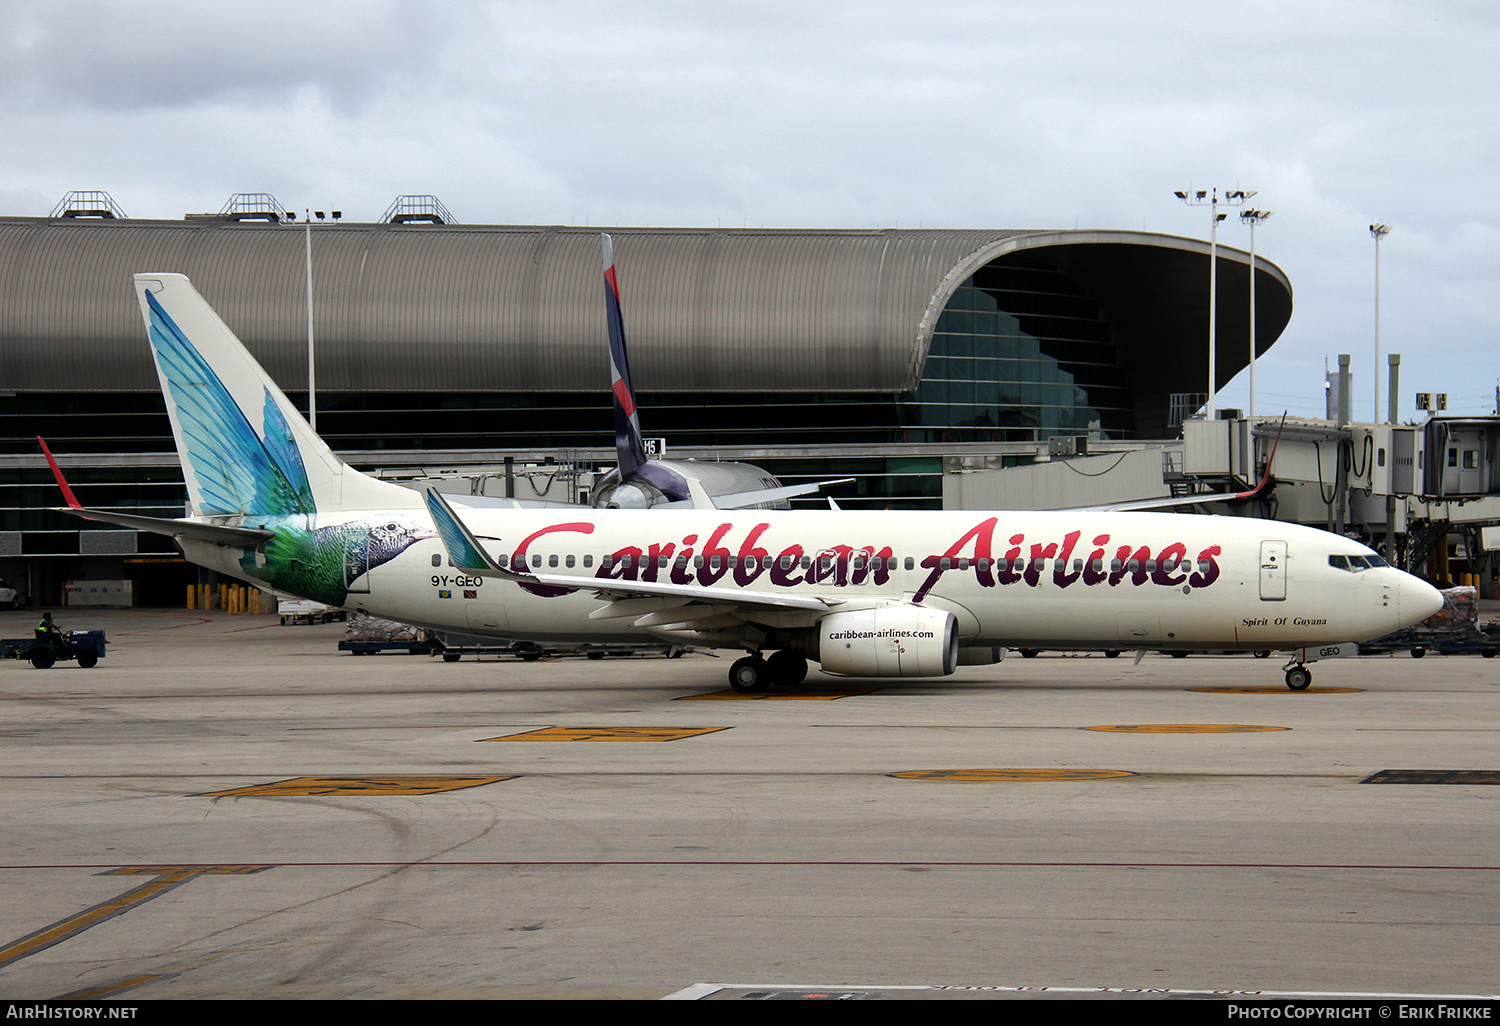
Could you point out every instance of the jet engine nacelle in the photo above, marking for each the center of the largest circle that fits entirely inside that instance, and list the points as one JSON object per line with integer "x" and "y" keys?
{"x": 889, "y": 641}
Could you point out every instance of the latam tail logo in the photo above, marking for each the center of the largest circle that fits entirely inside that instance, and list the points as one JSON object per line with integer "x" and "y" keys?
{"x": 632, "y": 453}
{"x": 237, "y": 468}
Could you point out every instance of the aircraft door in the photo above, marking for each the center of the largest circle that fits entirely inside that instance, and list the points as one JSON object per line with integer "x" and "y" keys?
{"x": 1273, "y": 571}
{"x": 356, "y": 563}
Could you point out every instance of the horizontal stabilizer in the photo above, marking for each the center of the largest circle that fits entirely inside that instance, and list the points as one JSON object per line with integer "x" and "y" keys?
{"x": 195, "y": 530}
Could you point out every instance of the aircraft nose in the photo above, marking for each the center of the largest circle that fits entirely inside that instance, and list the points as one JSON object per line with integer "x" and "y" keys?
{"x": 1418, "y": 599}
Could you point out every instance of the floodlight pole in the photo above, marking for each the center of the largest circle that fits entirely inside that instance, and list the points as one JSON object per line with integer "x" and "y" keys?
{"x": 1377, "y": 232}
{"x": 312, "y": 385}
{"x": 1210, "y": 199}
{"x": 1253, "y": 218}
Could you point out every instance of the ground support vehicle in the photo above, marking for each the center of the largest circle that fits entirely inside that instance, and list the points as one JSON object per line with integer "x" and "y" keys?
{"x": 423, "y": 646}
{"x": 85, "y": 646}
{"x": 1419, "y": 641}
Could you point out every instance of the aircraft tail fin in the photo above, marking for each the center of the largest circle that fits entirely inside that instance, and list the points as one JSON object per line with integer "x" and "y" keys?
{"x": 630, "y": 450}
{"x": 244, "y": 447}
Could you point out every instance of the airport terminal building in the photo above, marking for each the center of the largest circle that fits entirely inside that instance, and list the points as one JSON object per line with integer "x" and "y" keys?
{"x": 813, "y": 353}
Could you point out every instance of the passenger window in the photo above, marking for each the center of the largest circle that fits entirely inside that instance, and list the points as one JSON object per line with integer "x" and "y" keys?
{"x": 910, "y": 563}
{"x": 963, "y": 564}
{"x": 588, "y": 559}
{"x": 536, "y": 559}
{"x": 570, "y": 561}
{"x": 552, "y": 560}
{"x": 437, "y": 559}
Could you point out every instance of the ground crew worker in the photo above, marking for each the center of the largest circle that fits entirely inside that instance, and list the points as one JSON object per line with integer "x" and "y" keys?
{"x": 47, "y": 631}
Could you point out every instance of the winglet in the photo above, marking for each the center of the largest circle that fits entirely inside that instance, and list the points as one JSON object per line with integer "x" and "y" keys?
{"x": 463, "y": 548}
{"x": 57, "y": 473}
{"x": 630, "y": 450}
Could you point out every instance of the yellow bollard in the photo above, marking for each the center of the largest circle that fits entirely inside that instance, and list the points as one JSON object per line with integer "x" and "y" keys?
{"x": 192, "y": 596}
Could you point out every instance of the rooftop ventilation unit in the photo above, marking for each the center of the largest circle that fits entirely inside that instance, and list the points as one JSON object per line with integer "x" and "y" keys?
{"x": 88, "y": 203}
{"x": 417, "y": 210}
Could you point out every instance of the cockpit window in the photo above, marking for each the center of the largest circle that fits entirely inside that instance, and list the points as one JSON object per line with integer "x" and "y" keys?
{"x": 1354, "y": 564}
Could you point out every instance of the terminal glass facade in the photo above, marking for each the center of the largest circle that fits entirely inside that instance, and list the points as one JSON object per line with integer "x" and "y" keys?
{"x": 1021, "y": 353}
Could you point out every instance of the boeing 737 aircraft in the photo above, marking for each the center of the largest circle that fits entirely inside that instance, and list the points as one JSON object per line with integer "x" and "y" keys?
{"x": 863, "y": 593}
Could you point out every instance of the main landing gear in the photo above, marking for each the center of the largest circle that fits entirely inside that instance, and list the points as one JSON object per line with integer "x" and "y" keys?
{"x": 753, "y": 675}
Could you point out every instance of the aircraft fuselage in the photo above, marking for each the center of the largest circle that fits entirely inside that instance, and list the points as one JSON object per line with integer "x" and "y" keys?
{"x": 1022, "y": 579}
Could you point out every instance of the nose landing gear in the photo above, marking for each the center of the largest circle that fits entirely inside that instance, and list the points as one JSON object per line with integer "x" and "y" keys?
{"x": 1298, "y": 677}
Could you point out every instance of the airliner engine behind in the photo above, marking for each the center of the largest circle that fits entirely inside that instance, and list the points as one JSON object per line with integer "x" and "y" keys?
{"x": 866, "y": 594}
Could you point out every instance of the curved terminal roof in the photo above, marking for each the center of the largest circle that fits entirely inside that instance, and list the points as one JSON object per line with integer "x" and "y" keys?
{"x": 510, "y": 308}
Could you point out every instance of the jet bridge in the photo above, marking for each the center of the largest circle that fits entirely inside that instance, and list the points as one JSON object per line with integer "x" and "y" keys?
{"x": 1423, "y": 490}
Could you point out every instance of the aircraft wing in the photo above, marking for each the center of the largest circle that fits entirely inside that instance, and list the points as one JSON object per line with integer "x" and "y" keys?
{"x": 468, "y": 554}
{"x": 739, "y": 500}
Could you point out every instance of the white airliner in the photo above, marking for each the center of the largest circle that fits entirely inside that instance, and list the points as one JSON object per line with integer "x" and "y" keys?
{"x": 863, "y": 593}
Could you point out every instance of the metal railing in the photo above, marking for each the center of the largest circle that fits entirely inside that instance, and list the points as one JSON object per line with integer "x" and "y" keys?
{"x": 417, "y": 209}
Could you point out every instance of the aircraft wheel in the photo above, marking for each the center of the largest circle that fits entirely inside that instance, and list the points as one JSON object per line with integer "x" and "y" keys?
{"x": 749, "y": 675}
{"x": 1029, "y": 653}
{"x": 1179, "y": 655}
{"x": 530, "y": 656}
{"x": 88, "y": 660}
{"x": 1263, "y": 654}
{"x": 596, "y": 655}
{"x": 1418, "y": 653}
{"x": 787, "y": 669}
{"x": 1487, "y": 653}
{"x": 451, "y": 657}
{"x": 1298, "y": 678}
{"x": 1112, "y": 653}
{"x": 42, "y": 657}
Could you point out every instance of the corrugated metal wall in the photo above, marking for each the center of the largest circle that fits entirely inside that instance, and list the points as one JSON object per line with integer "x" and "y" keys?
{"x": 489, "y": 308}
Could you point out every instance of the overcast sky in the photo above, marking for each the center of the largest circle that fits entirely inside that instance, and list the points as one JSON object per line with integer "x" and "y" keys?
{"x": 1071, "y": 113}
